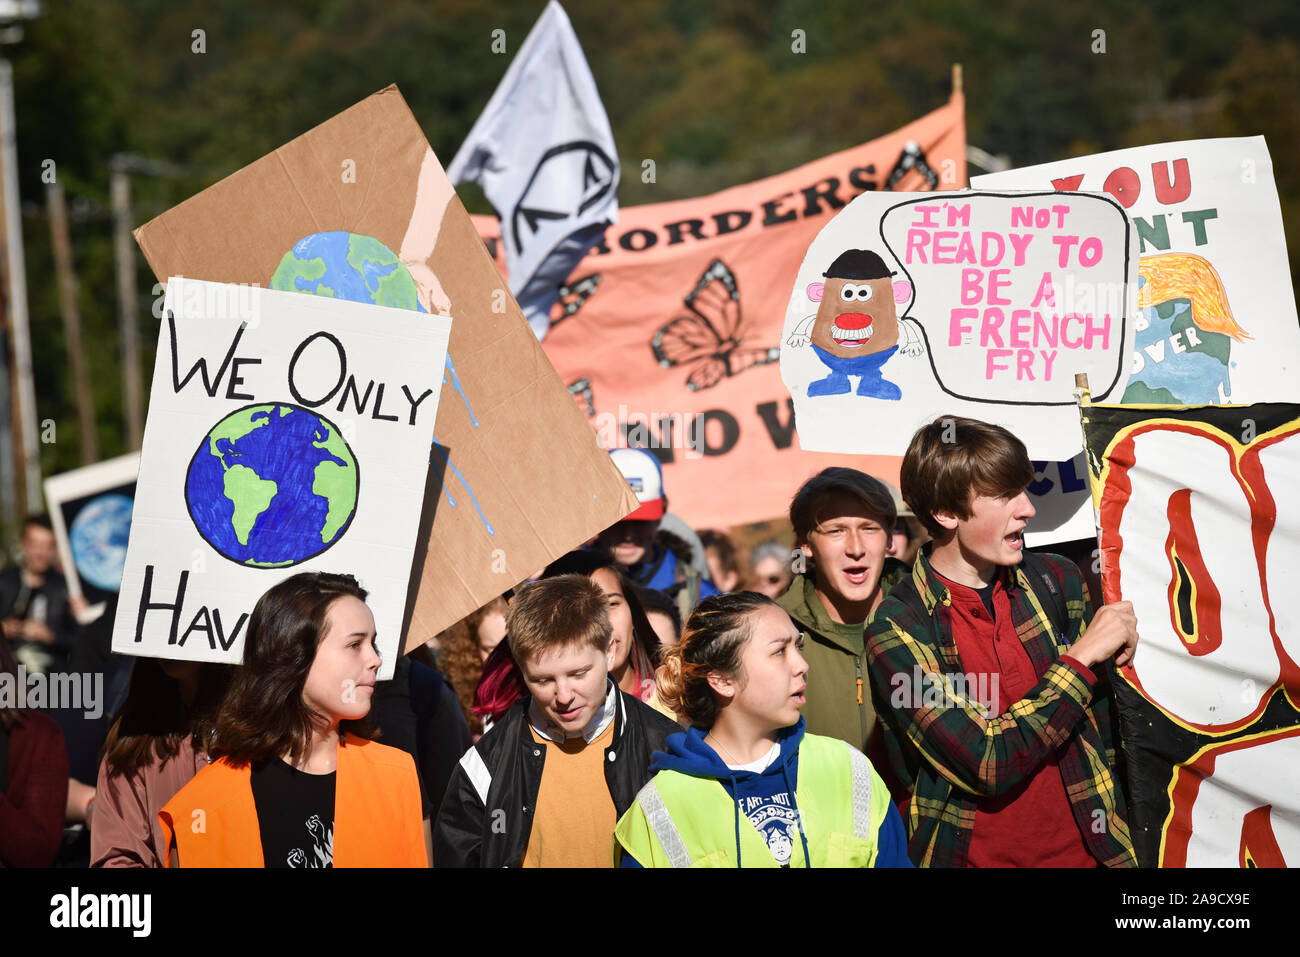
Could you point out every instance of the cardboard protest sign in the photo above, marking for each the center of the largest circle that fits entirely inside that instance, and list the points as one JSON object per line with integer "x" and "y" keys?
{"x": 667, "y": 332}
{"x": 1218, "y": 321}
{"x": 285, "y": 433}
{"x": 90, "y": 512}
{"x": 977, "y": 304}
{"x": 359, "y": 208}
{"x": 1200, "y": 530}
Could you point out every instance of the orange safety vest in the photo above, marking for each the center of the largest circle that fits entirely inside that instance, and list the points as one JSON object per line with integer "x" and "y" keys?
{"x": 212, "y": 821}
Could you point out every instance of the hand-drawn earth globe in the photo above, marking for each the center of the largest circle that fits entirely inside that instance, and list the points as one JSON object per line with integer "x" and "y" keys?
{"x": 272, "y": 485}
{"x": 348, "y": 266}
{"x": 98, "y": 537}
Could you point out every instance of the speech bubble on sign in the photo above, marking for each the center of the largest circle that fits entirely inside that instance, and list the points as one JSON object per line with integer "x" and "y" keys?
{"x": 914, "y": 306}
{"x": 1015, "y": 293}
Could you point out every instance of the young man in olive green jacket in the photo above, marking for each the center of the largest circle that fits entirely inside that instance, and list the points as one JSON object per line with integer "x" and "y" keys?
{"x": 842, "y": 519}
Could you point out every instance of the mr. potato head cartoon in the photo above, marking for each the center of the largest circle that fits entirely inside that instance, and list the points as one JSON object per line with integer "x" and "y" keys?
{"x": 855, "y": 330}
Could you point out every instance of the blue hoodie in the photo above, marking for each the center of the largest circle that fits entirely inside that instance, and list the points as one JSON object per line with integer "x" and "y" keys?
{"x": 767, "y": 797}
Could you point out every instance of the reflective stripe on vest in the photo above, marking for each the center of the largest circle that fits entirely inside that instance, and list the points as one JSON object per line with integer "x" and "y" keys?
{"x": 861, "y": 794}
{"x": 661, "y": 824}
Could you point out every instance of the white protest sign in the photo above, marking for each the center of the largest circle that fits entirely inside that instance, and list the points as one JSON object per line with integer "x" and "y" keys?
{"x": 1062, "y": 503}
{"x": 1218, "y": 316}
{"x": 286, "y": 433}
{"x": 90, "y": 512}
{"x": 912, "y": 306}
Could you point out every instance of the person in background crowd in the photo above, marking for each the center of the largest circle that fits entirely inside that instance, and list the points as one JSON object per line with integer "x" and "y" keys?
{"x": 664, "y": 618}
{"x": 770, "y": 570}
{"x": 745, "y": 786}
{"x": 545, "y": 786}
{"x": 899, "y": 539}
{"x": 841, "y": 519}
{"x": 294, "y": 781}
{"x": 724, "y": 567}
{"x": 488, "y": 625}
{"x": 34, "y": 609}
{"x": 465, "y": 649}
{"x": 1013, "y": 765}
{"x": 907, "y": 536}
{"x": 499, "y": 687}
{"x": 645, "y": 558}
{"x": 154, "y": 747}
{"x": 417, "y": 711}
{"x": 33, "y": 781}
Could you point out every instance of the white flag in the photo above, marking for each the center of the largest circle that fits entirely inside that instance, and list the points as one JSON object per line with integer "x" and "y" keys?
{"x": 544, "y": 154}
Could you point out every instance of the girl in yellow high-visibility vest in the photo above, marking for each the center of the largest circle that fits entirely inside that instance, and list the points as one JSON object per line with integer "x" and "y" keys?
{"x": 744, "y": 786}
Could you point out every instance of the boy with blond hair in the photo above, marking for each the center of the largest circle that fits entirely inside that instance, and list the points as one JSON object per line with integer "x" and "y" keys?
{"x": 545, "y": 787}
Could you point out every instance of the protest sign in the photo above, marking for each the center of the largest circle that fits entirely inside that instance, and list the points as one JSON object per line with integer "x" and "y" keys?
{"x": 359, "y": 208}
{"x": 90, "y": 512}
{"x": 667, "y": 333}
{"x": 1062, "y": 502}
{"x": 1200, "y": 531}
{"x": 285, "y": 433}
{"x": 1217, "y": 319}
{"x": 977, "y": 304}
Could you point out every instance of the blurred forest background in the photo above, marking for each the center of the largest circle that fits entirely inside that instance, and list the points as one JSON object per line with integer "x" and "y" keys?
{"x": 712, "y": 92}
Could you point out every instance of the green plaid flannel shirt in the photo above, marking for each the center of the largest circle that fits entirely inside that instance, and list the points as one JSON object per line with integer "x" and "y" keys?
{"x": 952, "y": 755}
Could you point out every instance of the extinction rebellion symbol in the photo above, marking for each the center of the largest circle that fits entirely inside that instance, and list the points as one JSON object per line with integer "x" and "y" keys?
{"x": 560, "y": 166}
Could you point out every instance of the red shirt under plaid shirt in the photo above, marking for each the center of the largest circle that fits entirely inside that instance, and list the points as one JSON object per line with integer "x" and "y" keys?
{"x": 945, "y": 746}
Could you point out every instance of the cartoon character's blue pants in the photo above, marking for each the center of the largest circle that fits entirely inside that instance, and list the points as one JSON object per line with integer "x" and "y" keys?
{"x": 873, "y": 382}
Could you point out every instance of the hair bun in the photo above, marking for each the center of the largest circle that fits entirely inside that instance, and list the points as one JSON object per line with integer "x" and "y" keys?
{"x": 670, "y": 684}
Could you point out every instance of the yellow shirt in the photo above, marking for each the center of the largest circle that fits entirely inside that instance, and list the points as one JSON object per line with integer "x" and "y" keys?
{"x": 573, "y": 824}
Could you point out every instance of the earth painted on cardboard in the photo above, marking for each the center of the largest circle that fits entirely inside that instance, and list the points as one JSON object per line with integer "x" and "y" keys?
{"x": 98, "y": 537}
{"x": 272, "y": 485}
{"x": 349, "y": 266}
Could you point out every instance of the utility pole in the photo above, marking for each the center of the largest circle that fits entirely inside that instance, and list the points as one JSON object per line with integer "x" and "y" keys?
{"x": 29, "y": 462}
{"x": 121, "y": 166}
{"x": 127, "y": 306}
{"x": 19, "y": 461}
{"x": 67, "y": 277}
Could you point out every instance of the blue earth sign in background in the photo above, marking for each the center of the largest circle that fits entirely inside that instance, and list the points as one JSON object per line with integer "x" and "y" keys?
{"x": 272, "y": 485}
{"x": 349, "y": 266}
{"x": 98, "y": 537}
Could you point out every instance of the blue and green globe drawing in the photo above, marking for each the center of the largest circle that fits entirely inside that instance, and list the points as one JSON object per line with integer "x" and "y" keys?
{"x": 98, "y": 537}
{"x": 348, "y": 266}
{"x": 272, "y": 485}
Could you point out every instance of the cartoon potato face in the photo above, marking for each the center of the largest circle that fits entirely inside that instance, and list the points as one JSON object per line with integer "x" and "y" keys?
{"x": 857, "y": 317}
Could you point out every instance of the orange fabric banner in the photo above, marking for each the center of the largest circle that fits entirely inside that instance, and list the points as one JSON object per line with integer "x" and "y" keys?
{"x": 668, "y": 333}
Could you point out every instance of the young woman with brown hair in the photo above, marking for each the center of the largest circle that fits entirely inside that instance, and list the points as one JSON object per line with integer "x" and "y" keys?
{"x": 295, "y": 782}
{"x": 744, "y": 785}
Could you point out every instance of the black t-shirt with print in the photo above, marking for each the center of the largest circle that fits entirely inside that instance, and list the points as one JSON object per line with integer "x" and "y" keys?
{"x": 295, "y": 814}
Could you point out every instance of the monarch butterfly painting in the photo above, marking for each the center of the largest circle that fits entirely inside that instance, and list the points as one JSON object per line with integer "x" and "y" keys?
{"x": 571, "y": 297}
{"x": 708, "y": 342}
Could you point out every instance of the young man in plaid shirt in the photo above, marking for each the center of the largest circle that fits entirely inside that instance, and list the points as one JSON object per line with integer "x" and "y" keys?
{"x": 989, "y": 672}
